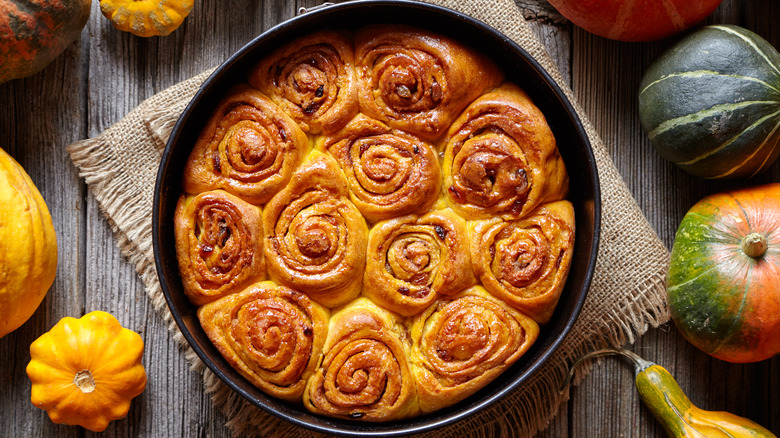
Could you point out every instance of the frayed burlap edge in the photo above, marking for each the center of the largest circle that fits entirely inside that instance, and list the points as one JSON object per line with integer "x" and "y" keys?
{"x": 626, "y": 297}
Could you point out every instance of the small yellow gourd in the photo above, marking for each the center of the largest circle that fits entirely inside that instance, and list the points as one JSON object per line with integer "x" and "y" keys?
{"x": 28, "y": 246}
{"x": 85, "y": 372}
{"x": 146, "y": 18}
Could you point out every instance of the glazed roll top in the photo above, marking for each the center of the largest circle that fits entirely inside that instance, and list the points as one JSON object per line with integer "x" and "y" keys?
{"x": 416, "y": 80}
{"x": 313, "y": 80}
{"x": 390, "y": 173}
{"x": 315, "y": 238}
{"x": 249, "y": 147}
{"x": 501, "y": 158}
{"x": 412, "y": 260}
{"x": 270, "y": 334}
{"x": 463, "y": 342}
{"x": 219, "y": 244}
{"x": 526, "y": 261}
{"x": 364, "y": 373}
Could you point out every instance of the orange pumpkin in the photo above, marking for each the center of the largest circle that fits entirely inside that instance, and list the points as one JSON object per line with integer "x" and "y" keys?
{"x": 645, "y": 20}
{"x": 34, "y": 32}
{"x": 724, "y": 276}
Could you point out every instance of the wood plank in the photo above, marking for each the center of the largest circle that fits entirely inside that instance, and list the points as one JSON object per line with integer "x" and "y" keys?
{"x": 40, "y": 116}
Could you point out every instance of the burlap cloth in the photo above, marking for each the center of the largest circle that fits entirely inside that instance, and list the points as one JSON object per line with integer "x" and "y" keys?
{"x": 626, "y": 297}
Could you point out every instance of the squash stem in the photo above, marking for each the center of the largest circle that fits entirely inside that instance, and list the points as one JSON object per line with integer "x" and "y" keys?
{"x": 754, "y": 245}
{"x": 639, "y": 363}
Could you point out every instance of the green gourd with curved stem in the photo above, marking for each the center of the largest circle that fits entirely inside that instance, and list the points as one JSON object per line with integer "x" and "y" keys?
{"x": 660, "y": 392}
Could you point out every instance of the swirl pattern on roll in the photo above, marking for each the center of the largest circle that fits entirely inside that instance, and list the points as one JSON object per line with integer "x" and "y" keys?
{"x": 525, "y": 262}
{"x": 249, "y": 148}
{"x": 418, "y": 81}
{"x": 315, "y": 238}
{"x": 412, "y": 260}
{"x": 501, "y": 158}
{"x": 390, "y": 173}
{"x": 462, "y": 343}
{"x": 313, "y": 80}
{"x": 219, "y": 244}
{"x": 364, "y": 373}
{"x": 270, "y": 334}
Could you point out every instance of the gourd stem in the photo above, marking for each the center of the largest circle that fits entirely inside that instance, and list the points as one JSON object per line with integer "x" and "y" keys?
{"x": 84, "y": 381}
{"x": 754, "y": 245}
{"x": 639, "y": 363}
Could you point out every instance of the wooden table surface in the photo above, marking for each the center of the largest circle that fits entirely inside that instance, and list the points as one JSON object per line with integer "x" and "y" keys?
{"x": 108, "y": 73}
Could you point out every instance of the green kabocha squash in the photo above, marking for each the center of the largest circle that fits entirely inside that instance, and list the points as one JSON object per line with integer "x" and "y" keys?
{"x": 711, "y": 103}
{"x": 34, "y": 32}
{"x": 724, "y": 276}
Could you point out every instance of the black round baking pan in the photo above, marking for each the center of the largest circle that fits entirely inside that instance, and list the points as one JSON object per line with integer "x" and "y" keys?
{"x": 519, "y": 67}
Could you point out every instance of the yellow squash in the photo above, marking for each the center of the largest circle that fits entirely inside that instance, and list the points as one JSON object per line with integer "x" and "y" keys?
{"x": 85, "y": 371}
{"x": 28, "y": 246}
{"x": 146, "y": 18}
{"x": 672, "y": 408}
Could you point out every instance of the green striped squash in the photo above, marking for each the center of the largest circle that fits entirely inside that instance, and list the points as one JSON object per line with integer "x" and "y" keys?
{"x": 711, "y": 103}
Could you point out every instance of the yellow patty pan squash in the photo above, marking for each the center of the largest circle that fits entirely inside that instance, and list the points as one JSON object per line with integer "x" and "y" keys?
{"x": 28, "y": 246}
{"x": 85, "y": 372}
{"x": 146, "y": 18}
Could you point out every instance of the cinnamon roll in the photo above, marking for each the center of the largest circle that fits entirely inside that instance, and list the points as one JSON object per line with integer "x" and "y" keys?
{"x": 390, "y": 173}
{"x": 249, "y": 147}
{"x": 364, "y": 373}
{"x": 525, "y": 262}
{"x": 412, "y": 260}
{"x": 416, "y": 80}
{"x": 313, "y": 80}
{"x": 219, "y": 244}
{"x": 501, "y": 158}
{"x": 315, "y": 238}
{"x": 463, "y": 342}
{"x": 272, "y": 335}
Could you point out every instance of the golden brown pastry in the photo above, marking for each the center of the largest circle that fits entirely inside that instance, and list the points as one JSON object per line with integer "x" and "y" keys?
{"x": 364, "y": 373}
{"x": 501, "y": 158}
{"x": 462, "y": 343}
{"x": 312, "y": 79}
{"x": 417, "y": 80}
{"x": 390, "y": 173}
{"x": 315, "y": 238}
{"x": 411, "y": 260}
{"x": 270, "y": 334}
{"x": 525, "y": 262}
{"x": 219, "y": 244}
{"x": 249, "y": 147}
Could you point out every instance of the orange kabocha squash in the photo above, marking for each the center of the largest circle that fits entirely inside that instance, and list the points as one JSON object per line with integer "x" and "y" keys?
{"x": 146, "y": 18}
{"x": 645, "y": 20}
{"x": 85, "y": 371}
{"x": 724, "y": 275}
{"x": 34, "y": 32}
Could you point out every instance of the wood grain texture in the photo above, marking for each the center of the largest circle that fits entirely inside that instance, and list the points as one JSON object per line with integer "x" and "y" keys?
{"x": 101, "y": 78}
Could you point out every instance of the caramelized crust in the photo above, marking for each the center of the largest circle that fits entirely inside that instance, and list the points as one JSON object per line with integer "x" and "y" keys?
{"x": 418, "y": 81}
{"x": 390, "y": 173}
{"x": 364, "y": 373}
{"x": 501, "y": 159}
{"x": 219, "y": 245}
{"x": 315, "y": 238}
{"x": 412, "y": 260}
{"x": 249, "y": 147}
{"x": 313, "y": 80}
{"x": 463, "y": 342}
{"x": 270, "y": 334}
{"x": 525, "y": 262}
